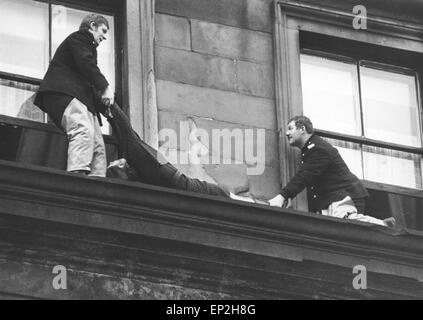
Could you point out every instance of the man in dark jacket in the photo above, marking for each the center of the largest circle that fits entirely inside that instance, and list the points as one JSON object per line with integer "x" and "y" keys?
{"x": 331, "y": 188}
{"x": 144, "y": 163}
{"x": 68, "y": 92}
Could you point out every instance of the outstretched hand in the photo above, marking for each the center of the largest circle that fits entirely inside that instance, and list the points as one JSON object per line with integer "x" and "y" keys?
{"x": 108, "y": 97}
{"x": 280, "y": 201}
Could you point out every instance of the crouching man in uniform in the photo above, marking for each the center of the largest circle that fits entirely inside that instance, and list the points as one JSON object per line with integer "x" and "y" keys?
{"x": 332, "y": 190}
{"x": 68, "y": 91}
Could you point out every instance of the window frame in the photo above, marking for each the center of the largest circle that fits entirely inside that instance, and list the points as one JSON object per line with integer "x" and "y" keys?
{"x": 291, "y": 18}
{"x": 379, "y": 66}
{"x": 135, "y": 74}
{"x": 109, "y": 7}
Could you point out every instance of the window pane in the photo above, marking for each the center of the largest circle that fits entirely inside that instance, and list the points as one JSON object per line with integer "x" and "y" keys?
{"x": 381, "y": 165}
{"x": 390, "y": 107}
{"x": 16, "y": 100}
{"x": 24, "y": 37}
{"x": 65, "y": 21}
{"x": 392, "y": 167}
{"x": 351, "y": 153}
{"x": 330, "y": 94}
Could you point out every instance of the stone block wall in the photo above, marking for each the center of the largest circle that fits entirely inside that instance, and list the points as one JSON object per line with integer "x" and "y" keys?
{"x": 214, "y": 72}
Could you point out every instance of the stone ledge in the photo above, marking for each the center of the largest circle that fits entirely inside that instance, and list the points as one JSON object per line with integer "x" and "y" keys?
{"x": 105, "y": 264}
{"x": 136, "y": 208}
{"x": 121, "y": 240}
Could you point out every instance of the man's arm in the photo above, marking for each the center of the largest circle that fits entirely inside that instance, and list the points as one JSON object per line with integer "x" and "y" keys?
{"x": 280, "y": 201}
{"x": 317, "y": 162}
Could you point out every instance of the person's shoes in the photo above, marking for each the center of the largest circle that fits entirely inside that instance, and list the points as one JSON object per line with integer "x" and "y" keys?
{"x": 80, "y": 172}
{"x": 390, "y": 222}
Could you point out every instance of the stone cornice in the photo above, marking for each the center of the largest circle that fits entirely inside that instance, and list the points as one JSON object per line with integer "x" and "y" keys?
{"x": 145, "y": 210}
{"x": 341, "y": 13}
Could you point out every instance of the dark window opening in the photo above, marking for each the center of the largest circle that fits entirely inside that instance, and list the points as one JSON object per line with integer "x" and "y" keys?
{"x": 366, "y": 100}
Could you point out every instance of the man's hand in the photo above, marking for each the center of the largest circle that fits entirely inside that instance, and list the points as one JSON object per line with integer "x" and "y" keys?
{"x": 108, "y": 97}
{"x": 288, "y": 203}
{"x": 280, "y": 201}
{"x": 277, "y": 201}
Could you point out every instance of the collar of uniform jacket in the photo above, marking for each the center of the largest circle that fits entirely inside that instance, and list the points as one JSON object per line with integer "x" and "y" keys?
{"x": 309, "y": 144}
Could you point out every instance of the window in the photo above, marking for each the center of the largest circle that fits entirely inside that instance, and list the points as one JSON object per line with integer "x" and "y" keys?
{"x": 28, "y": 47}
{"x": 372, "y": 102}
{"x": 362, "y": 90}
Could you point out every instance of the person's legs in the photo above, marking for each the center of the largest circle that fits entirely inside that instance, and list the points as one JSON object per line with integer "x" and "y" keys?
{"x": 150, "y": 166}
{"x": 182, "y": 182}
{"x": 80, "y": 132}
{"x": 99, "y": 161}
{"x": 365, "y": 218}
{"x": 360, "y": 205}
{"x": 346, "y": 209}
{"x": 340, "y": 209}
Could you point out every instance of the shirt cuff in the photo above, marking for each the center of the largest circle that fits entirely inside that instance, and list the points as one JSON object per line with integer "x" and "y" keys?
{"x": 284, "y": 194}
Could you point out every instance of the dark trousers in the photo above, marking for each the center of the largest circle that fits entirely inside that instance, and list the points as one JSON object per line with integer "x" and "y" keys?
{"x": 360, "y": 204}
{"x": 150, "y": 166}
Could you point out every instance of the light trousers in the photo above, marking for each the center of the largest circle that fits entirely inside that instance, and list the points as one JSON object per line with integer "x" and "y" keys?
{"x": 345, "y": 209}
{"x": 86, "y": 150}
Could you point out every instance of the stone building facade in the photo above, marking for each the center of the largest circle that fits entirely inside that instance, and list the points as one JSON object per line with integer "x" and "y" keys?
{"x": 195, "y": 67}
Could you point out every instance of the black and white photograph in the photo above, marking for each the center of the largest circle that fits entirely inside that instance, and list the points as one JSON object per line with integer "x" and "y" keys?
{"x": 211, "y": 154}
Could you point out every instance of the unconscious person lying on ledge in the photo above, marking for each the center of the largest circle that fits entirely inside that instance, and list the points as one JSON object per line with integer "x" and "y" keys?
{"x": 147, "y": 165}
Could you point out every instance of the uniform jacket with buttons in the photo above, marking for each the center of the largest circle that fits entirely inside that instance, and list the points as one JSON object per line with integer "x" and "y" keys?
{"x": 73, "y": 70}
{"x": 325, "y": 175}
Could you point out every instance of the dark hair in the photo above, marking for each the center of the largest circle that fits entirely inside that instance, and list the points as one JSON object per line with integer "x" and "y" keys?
{"x": 302, "y": 121}
{"x": 93, "y": 17}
